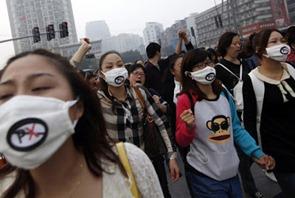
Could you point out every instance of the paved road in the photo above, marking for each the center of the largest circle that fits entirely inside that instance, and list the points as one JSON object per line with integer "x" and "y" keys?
{"x": 266, "y": 186}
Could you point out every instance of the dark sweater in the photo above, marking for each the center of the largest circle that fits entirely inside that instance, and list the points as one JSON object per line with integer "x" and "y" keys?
{"x": 277, "y": 122}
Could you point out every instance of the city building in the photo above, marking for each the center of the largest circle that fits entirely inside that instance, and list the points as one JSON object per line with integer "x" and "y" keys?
{"x": 152, "y": 32}
{"x": 122, "y": 43}
{"x": 24, "y": 15}
{"x": 192, "y": 28}
{"x": 97, "y": 30}
{"x": 69, "y": 49}
{"x": 291, "y": 10}
{"x": 242, "y": 16}
{"x": 169, "y": 37}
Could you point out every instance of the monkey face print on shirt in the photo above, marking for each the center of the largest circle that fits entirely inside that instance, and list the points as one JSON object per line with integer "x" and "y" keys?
{"x": 219, "y": 126}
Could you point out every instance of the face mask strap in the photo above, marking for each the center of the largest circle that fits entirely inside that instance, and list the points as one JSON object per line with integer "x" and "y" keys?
{"x": 188, "y": 74}
{"x": 71, "y": 103}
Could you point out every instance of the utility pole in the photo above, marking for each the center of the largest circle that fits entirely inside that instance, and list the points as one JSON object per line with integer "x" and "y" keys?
{"x": 20, "y": 38}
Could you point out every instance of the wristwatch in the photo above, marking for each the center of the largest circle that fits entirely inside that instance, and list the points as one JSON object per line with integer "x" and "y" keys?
{"x": 172, "y": 155}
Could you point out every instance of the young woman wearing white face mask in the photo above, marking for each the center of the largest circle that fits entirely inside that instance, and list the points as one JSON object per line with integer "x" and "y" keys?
{"x": 53, "y": 135}
{"x": 275, "y": 106}
{"x": 122, "y": 109}
{"x": 207, "y": 121}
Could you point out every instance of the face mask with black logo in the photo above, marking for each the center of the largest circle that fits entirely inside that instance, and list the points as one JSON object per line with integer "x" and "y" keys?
{"x": 33, "y": 128}
{"x": 278, "y": 52}
{"x": 204, "y": 76}
{"x": 116, "y": 77}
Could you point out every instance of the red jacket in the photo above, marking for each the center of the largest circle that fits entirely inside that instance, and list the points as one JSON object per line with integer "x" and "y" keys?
{"x": 184, "y": 135}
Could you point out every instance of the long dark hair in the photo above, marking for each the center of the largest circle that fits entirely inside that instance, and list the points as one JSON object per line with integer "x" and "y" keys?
{"x": 190, "y": 60}
{"x": 90, "y": 135}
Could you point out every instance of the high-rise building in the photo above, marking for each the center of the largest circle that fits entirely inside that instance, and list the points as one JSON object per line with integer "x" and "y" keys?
{"x": 291, "y": 10}
{"x": 97, "y": 30}
{"x": 152, "y": 32}
{"x": 122, "y": 43}
{"x": 69, "y": 49}
{"x": 169, "y": 38}
{"x": 242, "y": 16}
{"x": 24, "y": 15}
{"x": 192, "y": 28}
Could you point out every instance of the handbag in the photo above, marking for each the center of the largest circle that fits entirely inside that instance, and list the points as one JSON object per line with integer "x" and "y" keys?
{"x": 125, "y": 162}
{"x": 151, "y": 135}
{"x": 238, "y": 89}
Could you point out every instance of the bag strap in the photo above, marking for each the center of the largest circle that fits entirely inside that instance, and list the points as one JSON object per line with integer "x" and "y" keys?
{"x": 143, "y": 104}
{"x": 259, "y": 89}
{"x": 140, "y": 98}
{"x": 191, "y": 100}
{"x": 241, "y": 72}
{"x": 231, "y": 71}
{"x": 125, "y": 162}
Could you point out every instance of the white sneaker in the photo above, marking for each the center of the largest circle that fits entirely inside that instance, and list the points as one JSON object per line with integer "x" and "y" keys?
{"x": 270, "y": 176}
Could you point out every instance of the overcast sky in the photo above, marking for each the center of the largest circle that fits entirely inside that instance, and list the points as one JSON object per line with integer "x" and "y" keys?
{"x": 122, "y": 16}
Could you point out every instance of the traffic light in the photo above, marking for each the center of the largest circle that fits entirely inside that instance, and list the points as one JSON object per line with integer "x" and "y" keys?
{"x": 36, "y": 35}
{"x": 50, "y": 32}
{"x": 63, "y": 27}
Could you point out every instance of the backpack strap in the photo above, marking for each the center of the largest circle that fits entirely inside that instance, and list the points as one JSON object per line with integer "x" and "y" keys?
{"x": 190, "y": 97}
{"x": 290, "y": 69}
{"x": 125, "y": 162}
{"x": 259, "y": 90}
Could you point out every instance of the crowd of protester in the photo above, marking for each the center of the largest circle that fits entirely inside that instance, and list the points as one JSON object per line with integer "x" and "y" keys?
{"x": 217, "y": 110}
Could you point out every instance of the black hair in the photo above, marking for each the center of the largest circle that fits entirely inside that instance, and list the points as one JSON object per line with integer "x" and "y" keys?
{"x": 212, "y": 55}
{"x": 190, "y": 60}
{"x": 134, "y": 67}
{"x": 224, "y": 42}
{"x": 152, "y": 49}
{"x": 290, "y": 35}
{"x": 88, "y": 73}
{"x": 90, "y": 137}
{"x": 173, "y": 58}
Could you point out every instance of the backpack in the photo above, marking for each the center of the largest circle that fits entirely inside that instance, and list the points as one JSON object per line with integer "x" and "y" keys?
{"x": 259, "y": 89}
{"x": 238, "y": 89}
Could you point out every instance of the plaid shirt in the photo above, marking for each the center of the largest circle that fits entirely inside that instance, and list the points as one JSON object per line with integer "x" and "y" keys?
{"x": 124, "y": 120}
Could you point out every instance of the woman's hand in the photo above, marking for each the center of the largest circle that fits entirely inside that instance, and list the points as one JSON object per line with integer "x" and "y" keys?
{"x": 174, "y": 170}
{"x": 188, "y": 117}
{"x": 161, "y": 106}
{"x": 266, "y": 162}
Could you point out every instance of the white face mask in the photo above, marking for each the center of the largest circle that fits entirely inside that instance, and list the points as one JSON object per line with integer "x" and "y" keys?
{"x": 116, "y": 77}
{"x": 278, "y": 52}
{"x": 33, "y": 128}
{"x": 204, "y": 76}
